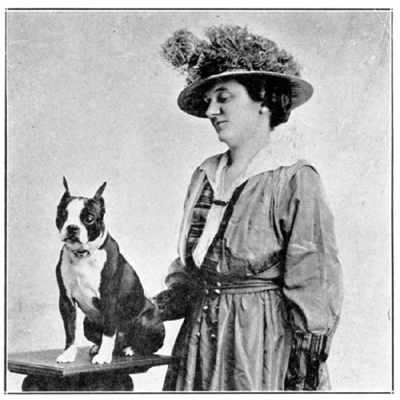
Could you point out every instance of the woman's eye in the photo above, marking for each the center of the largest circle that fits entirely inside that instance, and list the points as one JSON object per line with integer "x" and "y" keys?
{"x": 223, "y": 99}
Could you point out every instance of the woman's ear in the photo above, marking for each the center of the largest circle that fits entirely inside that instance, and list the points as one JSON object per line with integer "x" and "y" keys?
{"x": 286, "y": 102}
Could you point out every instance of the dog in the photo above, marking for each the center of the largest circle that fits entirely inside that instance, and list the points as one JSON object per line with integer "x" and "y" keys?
{"x": 93, "y": 275}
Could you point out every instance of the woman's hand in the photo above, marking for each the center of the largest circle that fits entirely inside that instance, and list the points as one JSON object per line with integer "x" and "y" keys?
{"x": 175, "y": 302}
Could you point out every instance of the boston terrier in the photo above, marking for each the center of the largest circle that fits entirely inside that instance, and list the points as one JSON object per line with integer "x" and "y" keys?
{"x": 93, "y": 274}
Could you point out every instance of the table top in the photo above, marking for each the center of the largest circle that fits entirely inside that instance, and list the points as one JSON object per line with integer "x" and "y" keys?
{"x": 44, "y": 363}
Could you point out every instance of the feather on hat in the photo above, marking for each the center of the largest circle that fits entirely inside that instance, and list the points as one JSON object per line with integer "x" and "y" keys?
{"x": 229, "y": 51}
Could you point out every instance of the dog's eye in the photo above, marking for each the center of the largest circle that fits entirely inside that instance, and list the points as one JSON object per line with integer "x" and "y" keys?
{"x": 89, "y": 219}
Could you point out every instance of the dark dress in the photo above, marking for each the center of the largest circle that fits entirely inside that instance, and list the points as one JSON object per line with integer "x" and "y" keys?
{"x": 261, "y": 310}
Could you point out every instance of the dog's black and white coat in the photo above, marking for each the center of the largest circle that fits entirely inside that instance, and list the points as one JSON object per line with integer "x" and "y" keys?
{"x": 93, "y": 274}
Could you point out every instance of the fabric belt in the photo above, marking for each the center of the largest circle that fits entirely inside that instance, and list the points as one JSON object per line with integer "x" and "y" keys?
{"x": 216, "y": 286}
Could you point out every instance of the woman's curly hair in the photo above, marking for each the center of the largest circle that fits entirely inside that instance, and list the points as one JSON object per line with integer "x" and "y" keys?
{"x": 227, "y": 48}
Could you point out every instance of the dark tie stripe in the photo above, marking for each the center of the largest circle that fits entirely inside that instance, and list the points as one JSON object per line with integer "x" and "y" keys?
{"x": 199, "y": 218}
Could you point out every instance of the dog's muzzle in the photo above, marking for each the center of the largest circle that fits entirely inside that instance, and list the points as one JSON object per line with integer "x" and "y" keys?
{"x": 71, "y": 234}
{"x": 73, "y": 230}
{"x": 80, "y": 253}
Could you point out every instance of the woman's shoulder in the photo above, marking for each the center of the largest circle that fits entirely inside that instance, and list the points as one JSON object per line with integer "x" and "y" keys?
{"x": 211, "y": 162}
{"x": 300, "y": 171}
{"x": 207, "y": 168}
{"x": 301, "y": 178}
{"x": 301, "y": 165}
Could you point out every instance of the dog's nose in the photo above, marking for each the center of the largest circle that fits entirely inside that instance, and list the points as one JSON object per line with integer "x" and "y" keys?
{"x": 72, "y": 229}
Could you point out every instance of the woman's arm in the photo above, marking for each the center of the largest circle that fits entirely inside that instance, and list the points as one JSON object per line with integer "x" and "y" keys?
{"x": 312, "y": 279}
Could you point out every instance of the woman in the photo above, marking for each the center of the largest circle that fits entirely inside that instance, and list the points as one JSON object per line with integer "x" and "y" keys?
{"x": 257, "y": 280}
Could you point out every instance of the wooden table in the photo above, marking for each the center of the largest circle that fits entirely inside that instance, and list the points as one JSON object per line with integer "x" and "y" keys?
{"x": 46, "y": 375}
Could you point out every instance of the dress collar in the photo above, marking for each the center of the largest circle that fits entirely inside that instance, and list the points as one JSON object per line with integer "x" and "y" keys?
{"x": 276, "y": 154}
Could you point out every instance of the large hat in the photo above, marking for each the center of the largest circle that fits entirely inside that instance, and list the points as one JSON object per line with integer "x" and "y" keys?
{"x": 230, "y": 52}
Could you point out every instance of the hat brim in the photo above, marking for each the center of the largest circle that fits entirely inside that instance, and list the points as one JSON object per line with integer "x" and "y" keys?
{"x": 191, "y": 99}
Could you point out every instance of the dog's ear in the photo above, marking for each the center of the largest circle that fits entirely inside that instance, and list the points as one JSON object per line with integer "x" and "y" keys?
{"x": 100, "y": 191}
{"x": 66, "y": 185}
{"x": 66, "y": 194}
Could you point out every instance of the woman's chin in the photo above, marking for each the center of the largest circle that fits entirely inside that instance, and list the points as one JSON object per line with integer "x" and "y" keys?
{"x": 224, "y": 137}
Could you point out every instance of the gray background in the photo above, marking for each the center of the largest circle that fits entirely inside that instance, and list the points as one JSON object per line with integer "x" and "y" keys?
{"x": 89, "y": 98}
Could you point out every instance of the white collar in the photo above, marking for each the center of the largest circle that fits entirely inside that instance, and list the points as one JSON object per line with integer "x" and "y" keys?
{"x": 269, "y": 158}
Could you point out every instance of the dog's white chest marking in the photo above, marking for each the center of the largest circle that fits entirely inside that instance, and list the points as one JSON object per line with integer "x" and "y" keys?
{"x": 81, "y": 277}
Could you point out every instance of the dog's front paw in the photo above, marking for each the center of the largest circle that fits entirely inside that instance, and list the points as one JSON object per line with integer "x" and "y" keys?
{"x": 68, "y": 356}
{"x": 102, "y": 358}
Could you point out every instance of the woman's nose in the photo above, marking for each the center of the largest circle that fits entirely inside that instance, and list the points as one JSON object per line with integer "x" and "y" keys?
{"x": 212, "y": 109}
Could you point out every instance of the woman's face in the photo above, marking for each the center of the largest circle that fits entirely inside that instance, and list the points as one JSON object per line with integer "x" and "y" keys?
{"x": 234, "y": 115}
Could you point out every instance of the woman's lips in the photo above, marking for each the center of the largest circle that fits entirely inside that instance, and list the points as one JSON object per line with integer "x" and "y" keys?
{"x": 217, "y": 124}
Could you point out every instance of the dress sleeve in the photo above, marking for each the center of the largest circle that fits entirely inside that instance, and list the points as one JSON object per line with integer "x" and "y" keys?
{"x": 312, "y": 282}
{"x": 182, "y": 283}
